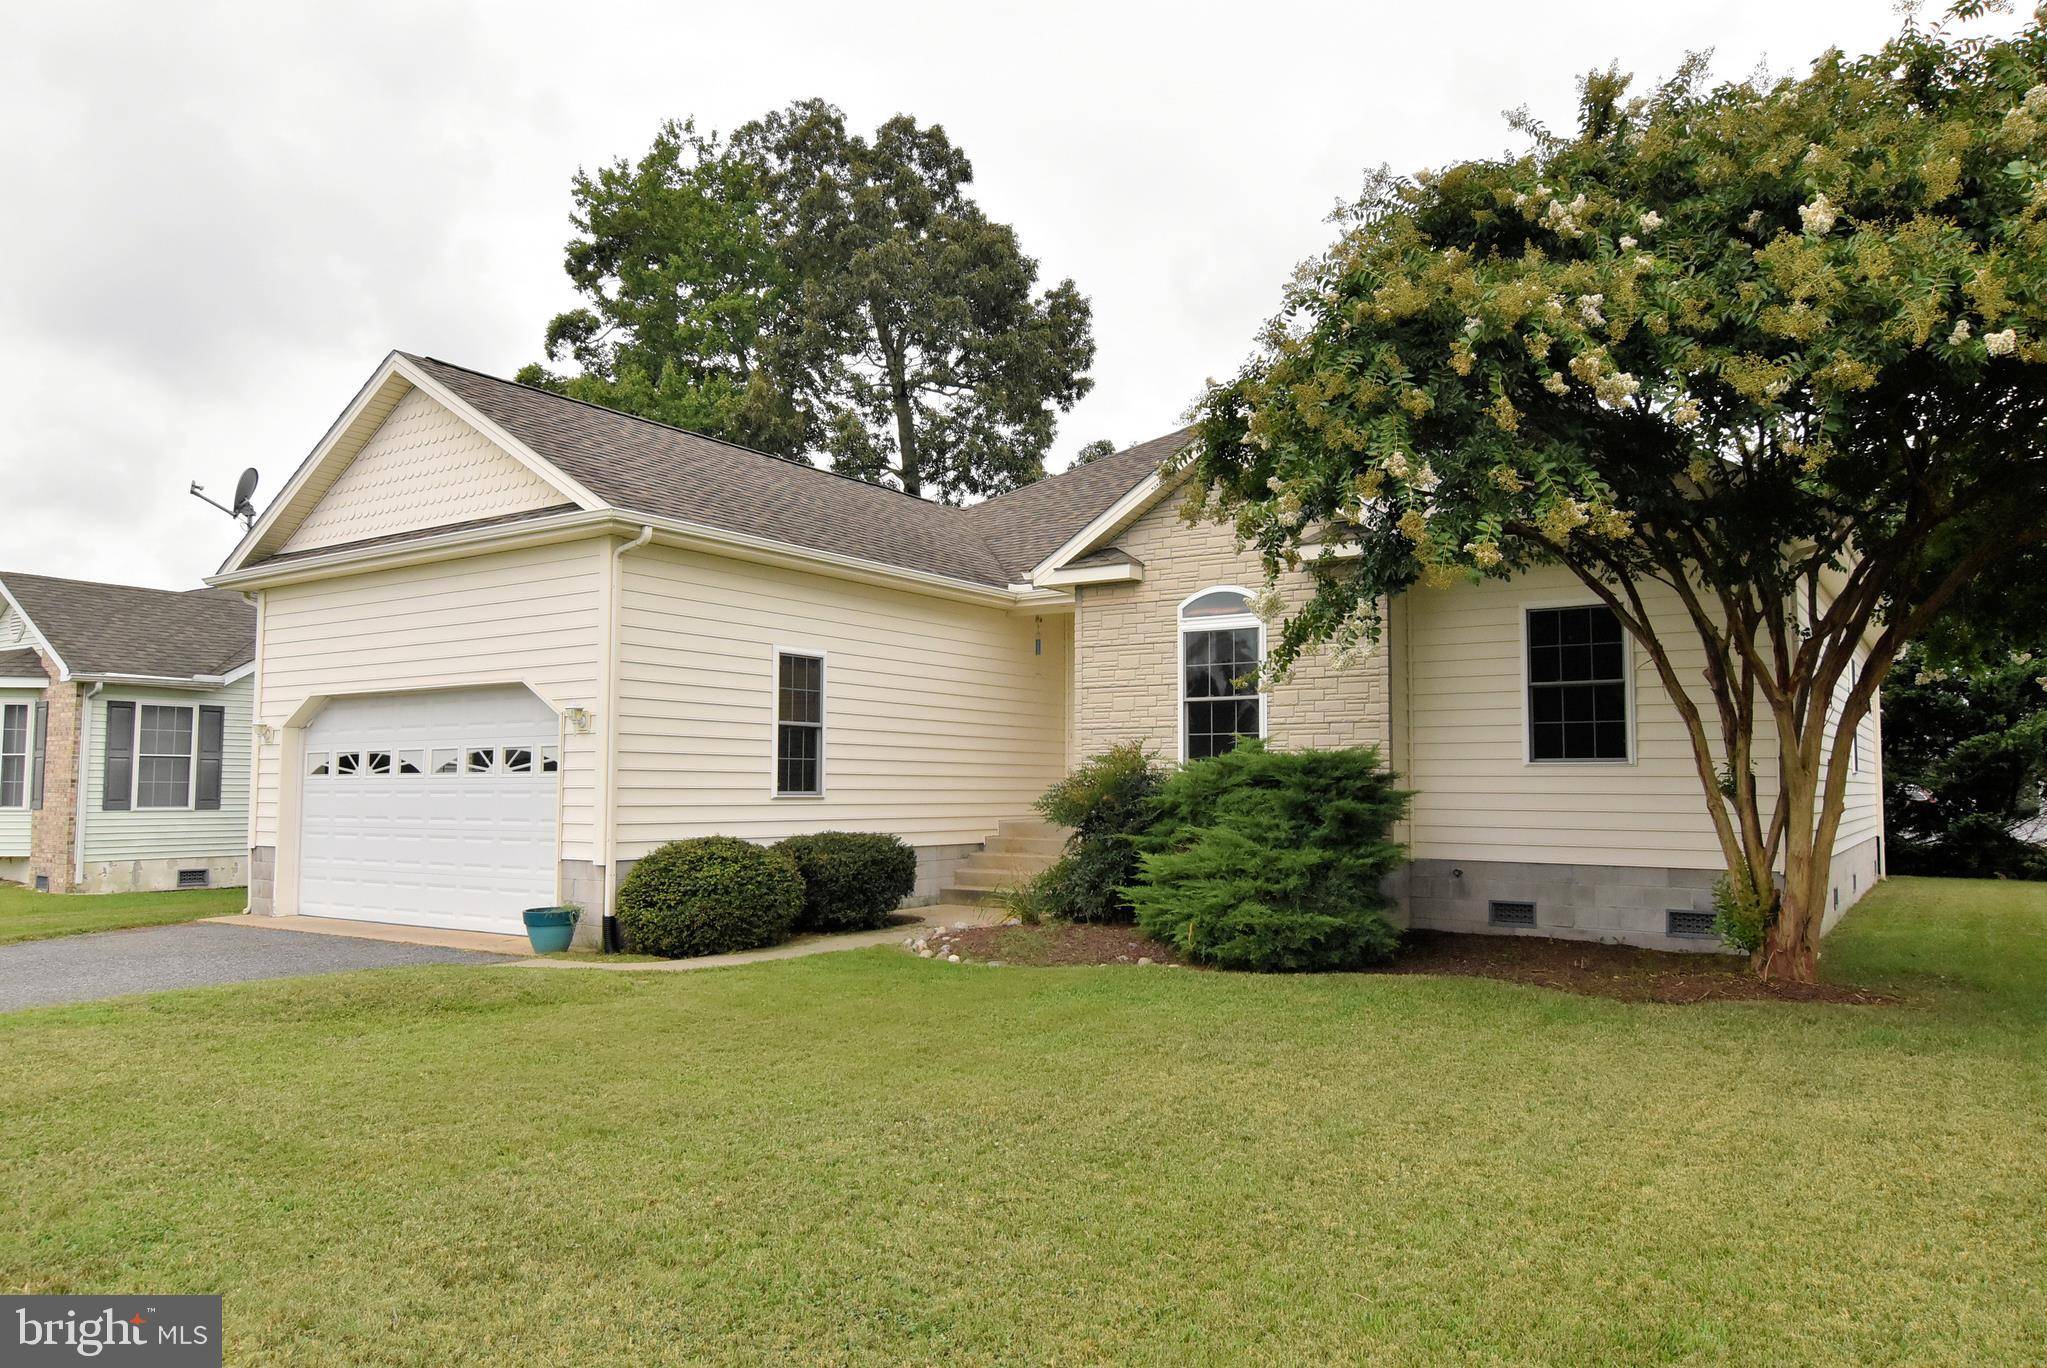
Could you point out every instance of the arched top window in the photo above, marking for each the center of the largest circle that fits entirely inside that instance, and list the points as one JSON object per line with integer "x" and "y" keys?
{"x": 1214, "y": 603}
{"x": 1222, "y": 645}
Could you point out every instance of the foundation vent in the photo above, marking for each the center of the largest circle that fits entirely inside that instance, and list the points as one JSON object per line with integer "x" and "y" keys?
{"x": 1686, "y": 922}
{"x": 42, "y": 883}
{"x": 1510, "y": 913}
{"x": 195, "y": 878}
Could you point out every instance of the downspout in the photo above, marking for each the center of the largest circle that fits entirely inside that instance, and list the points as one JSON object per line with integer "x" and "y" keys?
{"x": 81, "y": 799}
{"x": 608, "y": 814}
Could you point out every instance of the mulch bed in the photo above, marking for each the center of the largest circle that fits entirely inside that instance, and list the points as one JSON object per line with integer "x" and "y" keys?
{"x": 1623, "y": 972}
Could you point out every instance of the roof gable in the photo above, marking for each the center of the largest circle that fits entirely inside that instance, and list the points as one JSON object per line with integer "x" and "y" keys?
{"x": 121, "y": 629}
{"x": 422, "y": 468}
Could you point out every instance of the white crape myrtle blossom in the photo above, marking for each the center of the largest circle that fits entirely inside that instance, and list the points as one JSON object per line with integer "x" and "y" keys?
{"x": 1818, "y": 217}
{"x": 1651, "y": 221}
{"x": 1590, "y": 309}
{"x": 1685, "y": 411}
{"x": 2035, "y": 100}
{"x": 1472, "y": 327}
{"x": 1960, "y": 334}
{"x": 2002, "y": 343}
{"x": 1426, "y": 479}
{"x": 1627, "y": 242}
{"x": 1397, "y": 467}
{"x": 1268, "y": 605}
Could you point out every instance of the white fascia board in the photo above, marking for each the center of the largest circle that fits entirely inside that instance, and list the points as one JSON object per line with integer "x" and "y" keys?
{"x": 1091, "y": 574}
{"x": 42, "y": 642}
{"x": 569, "y": 526}
{"x": 1133, "y": 502}
{"x": 25, "y": 683}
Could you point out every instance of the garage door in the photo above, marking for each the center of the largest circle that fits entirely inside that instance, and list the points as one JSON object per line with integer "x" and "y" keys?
{"x": 432, "y": 809}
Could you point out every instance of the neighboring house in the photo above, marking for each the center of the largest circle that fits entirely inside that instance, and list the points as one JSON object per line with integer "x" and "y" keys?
{"x": 124, "y": 735}
{"x": 508, "y": 643}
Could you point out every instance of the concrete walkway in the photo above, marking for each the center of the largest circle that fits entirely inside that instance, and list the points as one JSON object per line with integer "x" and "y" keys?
{"x": 927, "y": 919}
{"x": 104, "y": 964}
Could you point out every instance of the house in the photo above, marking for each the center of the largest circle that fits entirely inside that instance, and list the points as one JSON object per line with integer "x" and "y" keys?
{"x": 124, "y": 735}
{"x": 509, "y": 642}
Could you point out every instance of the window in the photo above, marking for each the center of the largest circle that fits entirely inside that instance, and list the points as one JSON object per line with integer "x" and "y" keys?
{"x": 14, "y": 755}
{"x": 316, "y": 763}
{"x": 379, "y": 762}
{"x": 1577, "y": 685}
{"x": 483, "y": 761}
{"x": 550, "y": 760}
{"x": 411, "y": 761}
{"x": 347, "y": 763}
{"x": 447, "y": 762}
{"x": 163, "y": 756}
{"x": 799, "y": 724}
{"x": 518, "y": 760}
{"x": 1221, "y": 646}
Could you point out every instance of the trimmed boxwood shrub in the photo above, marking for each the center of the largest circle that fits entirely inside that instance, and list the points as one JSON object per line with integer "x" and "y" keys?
{"x": 852, "y": 880}
{"x": 1271, "y": 860}
{"x": 708, "y": 896}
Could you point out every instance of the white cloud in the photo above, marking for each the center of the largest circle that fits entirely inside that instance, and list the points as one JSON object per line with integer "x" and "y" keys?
{"x": 219, "y": 218}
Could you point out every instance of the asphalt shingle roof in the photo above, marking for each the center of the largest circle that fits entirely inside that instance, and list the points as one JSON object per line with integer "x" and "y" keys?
{"x": 639, "y": 466}
{"x": 22, "y": 664}
{"x": 121, "y": 629}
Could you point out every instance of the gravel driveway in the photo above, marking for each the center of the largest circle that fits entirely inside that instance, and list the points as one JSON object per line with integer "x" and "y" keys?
{"x": 108, "y": 964}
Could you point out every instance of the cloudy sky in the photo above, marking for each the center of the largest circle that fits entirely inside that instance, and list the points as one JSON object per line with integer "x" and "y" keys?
{"x": 220, "y": 217}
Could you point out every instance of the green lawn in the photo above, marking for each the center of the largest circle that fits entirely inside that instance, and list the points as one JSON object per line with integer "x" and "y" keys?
{"x": 872, "y": 1157}
{"x": 26, "y": 915}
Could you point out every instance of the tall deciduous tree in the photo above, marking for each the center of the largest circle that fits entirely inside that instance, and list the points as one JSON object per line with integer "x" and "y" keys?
{"x": 799, "y": 286}
{"x": 686, "y": 298}
{"x": 1773, "y": 350}
{"x": 937, "y": 365}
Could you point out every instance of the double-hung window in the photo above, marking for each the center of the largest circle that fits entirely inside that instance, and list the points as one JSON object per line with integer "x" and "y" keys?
{"x": 1221, "y": 647}
{"x": 163, "y": 756}
{"x": 14, "y": 755}
{"x": 799, "y": 724}
{"x": 1577, "y": 685}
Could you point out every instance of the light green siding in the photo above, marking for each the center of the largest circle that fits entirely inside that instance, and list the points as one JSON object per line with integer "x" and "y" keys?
{"x": 14, "y": 821}
{"x": 172, "y": 833}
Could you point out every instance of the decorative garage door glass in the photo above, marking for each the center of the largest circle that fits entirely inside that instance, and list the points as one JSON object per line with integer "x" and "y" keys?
{"x": 432, "y": 809}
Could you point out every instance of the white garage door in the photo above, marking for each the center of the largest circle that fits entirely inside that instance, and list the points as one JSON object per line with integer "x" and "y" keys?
{"x": 432, "y": 809}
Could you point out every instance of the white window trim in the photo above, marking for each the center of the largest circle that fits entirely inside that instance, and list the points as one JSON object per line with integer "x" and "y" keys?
{"x": 1627, "y": 680}
{"x": 824, "y": 674}
{"x": 191, "y": 803}
{"x": 1226, "y": 622}
{"x": 27, "y": 752}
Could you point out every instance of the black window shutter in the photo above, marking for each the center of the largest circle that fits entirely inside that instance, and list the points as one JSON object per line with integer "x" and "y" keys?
{"x": 212, "y": 727}
{"x": 117, "y": 775}
{"x": 42, "y": 759}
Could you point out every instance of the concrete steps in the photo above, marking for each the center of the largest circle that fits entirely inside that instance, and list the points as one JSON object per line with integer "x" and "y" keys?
{"x": 1020, "y": 849}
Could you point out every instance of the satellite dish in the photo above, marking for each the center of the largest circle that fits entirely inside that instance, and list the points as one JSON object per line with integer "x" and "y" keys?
{"x": 245, "y": 489}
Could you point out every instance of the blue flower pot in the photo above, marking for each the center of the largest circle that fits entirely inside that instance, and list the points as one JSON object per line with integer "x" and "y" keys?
{"x": 550, "y": 928}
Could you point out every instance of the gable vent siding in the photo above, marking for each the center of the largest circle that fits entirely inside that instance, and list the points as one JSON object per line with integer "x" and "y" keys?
{"x": 423, "y": 468}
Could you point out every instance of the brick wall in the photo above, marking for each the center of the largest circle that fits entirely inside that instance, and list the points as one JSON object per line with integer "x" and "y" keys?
{"x": 1126, "y": 646}
{"x": 53, "y": 829}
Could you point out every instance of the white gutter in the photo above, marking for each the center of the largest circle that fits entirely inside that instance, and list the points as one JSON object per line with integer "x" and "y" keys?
{"x": 608, "y": 823}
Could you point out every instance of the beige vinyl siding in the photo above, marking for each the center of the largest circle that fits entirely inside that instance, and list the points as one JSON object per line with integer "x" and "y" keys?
{"x": 423, "y": 468}
{"x": 172, "y": 833}
{"x": 531, "y": 616}
{"x": 941, "y": 718}
{"x": 1862, "y": 800}
{"x": 1463, "y": 742}
{"x": 15, "y": 821}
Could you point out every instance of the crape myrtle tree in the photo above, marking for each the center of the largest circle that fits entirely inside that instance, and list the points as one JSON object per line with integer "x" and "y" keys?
{"x": 1771, "y": 349}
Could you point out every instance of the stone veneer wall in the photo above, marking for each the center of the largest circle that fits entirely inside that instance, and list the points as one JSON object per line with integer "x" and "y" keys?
{"x": 1126, "y": 646}
{"x": 53, "y": 829}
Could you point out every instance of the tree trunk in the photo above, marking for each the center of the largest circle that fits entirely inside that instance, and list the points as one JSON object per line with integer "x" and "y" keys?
{"x": 907, "y": 464}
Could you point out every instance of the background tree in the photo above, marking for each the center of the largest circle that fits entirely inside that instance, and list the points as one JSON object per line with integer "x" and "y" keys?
{"x": 1771, "y": 351}
{"x": 1094, "y": 451}
{"x": 798, "y": 286}
{"x": 937, "y": 367}
{"x": 1965, "y": 756}
{"x": 687, "y": 294}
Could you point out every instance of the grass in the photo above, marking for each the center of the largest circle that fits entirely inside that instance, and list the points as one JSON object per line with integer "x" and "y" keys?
{"x": 868, "y": 1157}
{"x": 26, "y": 915}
